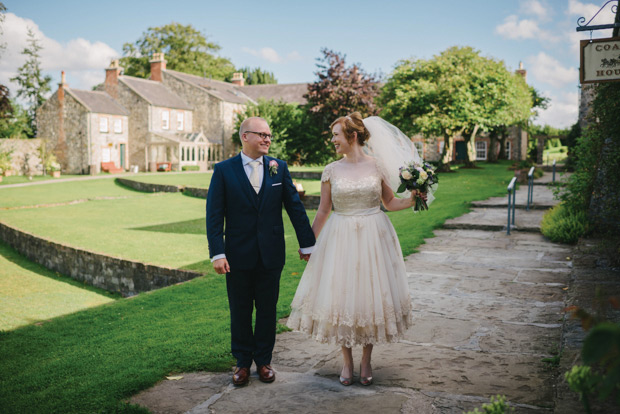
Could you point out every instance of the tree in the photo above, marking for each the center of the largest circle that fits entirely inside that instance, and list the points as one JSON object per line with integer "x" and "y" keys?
{"x": 285, "y": 121}
{"x": 338, "y": 91}
{"x": 186, "y": 49}
{"x": 257, "y": 76}
{"x": 457, "y": 92}
{"x": 15, "y": 124}
{"x": 32, "y": 84}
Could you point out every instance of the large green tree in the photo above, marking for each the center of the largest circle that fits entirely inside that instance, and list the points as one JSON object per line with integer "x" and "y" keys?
{"x": 32, "y": 85}
{"x": 338, "y": 91}
{"x": 285, "y": 121}
{"x": 16, "y": 123}
{"x": 186, "y": 49}
{"x": 457, "y": 92}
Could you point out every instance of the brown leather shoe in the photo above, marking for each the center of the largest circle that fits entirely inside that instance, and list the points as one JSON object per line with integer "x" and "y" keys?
{"x": 266, "y": 373}
{"x": 241, "y": 376}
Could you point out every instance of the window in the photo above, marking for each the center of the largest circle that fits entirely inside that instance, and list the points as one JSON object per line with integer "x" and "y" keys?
{"x": 481, "y": 150}
{"x": 103, "y": 124}
{"x": 118, "y": 126}
{"x": 420, "y": 147}
{"x": 165, "y": 119}
{"x": 508, "y": 149}
{"x": 442, "y": 143}
{"x": 180, "y": 117}
{"x": 182, "y": 154}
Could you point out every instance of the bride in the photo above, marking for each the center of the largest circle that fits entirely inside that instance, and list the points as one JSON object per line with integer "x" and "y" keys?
{"x": 354, "y": 290}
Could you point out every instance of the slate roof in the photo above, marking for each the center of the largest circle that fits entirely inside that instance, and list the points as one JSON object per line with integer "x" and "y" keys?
{"x": 98, "y": 102}
{"x": 223, "y": 90}
{"x": 155, "y": 93}
{"x": 287, "y": 92}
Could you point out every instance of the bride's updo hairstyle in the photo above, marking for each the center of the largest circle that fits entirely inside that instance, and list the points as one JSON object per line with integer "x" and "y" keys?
{"x": 350, "y": 124}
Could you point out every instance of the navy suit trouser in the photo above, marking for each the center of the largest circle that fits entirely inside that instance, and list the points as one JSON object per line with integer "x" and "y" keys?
{"x": 260, "y": 288}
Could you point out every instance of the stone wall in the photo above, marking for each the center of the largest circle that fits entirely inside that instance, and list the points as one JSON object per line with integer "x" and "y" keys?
{"x": 24, "y": 156}
{"x": 311, "y": 202}
{"x": 112, "y": 274}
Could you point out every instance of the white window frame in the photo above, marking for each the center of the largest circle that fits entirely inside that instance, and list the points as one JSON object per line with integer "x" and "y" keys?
{"x": 103, "y": 124}
{"x": 118, "y": 126}
{"x": 481, "y": 149}
{"x": 508, "y": 149}
{"x": 165, "y": 119}
{"x": 180, "y": 121}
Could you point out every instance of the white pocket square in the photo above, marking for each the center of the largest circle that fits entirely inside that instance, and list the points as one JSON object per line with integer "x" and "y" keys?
{"x": 273, "y": 185}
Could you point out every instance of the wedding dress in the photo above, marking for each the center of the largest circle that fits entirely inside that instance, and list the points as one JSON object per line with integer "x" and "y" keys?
{"x": 354, "y": 289}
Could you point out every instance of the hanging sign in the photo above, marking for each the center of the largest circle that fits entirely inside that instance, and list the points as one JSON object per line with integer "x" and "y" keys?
{"x": 600, "y": 60}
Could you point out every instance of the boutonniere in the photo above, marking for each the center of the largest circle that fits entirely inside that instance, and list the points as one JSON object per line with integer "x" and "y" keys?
{"x": 273, "y": 168}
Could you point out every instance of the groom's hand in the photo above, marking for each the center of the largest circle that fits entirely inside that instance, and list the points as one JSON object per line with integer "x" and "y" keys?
{"x": 221, "y": 266}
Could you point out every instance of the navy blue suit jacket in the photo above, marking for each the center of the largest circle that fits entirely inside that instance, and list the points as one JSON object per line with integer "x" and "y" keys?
{"x": 243, "y": 224}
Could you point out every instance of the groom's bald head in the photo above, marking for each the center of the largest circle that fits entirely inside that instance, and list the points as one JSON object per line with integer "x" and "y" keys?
{"x": 249, "y": 124}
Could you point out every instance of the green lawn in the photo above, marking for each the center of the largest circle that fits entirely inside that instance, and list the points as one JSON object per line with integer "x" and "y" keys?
{"x": 558, "y": 154}
{"x": 91, "y": 360}
{"x": 31, "y": 293}
{"x": 20, "y": 179}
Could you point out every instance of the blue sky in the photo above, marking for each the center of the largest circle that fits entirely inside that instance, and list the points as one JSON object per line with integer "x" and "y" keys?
{"x": 285, "y": 37}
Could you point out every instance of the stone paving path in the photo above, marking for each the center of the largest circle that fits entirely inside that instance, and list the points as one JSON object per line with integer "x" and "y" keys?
{"x": 488, "y": 308}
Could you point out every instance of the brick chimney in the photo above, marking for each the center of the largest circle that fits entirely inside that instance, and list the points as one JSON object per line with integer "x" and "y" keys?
{"x": 158, "y": 65}
{"x": 238, "y": 79}
{"x": 522, "y": 71}
{"x": 111, "y": 78}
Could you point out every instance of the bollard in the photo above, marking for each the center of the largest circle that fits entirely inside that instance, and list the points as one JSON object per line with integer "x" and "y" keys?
{"x": 530, "y": 188}
{"x": 553, "y": 180}
{"x": 511, "y": 191}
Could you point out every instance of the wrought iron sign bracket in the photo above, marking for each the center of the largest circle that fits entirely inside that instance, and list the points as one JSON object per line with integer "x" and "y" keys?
{"x": 584, "y": 27}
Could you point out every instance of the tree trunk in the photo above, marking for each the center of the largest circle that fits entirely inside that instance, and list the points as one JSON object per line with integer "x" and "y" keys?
{"x": 446, "y": 155}
{"x": 470, "y": 139}
{"x": 502, "y": 145}
{"x": 492, "y": 153}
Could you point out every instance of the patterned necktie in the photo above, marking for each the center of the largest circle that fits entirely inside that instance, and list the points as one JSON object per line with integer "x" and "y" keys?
{"x": 254, "y": 180}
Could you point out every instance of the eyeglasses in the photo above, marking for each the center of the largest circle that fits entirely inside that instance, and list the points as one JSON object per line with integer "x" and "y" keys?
{"x": 260, "y": 134}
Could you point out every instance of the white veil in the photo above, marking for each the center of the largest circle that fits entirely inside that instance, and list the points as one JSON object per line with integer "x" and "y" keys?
{"x": 392, "y": 149}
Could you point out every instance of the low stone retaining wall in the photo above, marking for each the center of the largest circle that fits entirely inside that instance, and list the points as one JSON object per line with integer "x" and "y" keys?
{"x": 306, "y": 175}
{"x": 148, "y": 187}
{"x": 311, "y": 202}
{"x": 110, "y": 273}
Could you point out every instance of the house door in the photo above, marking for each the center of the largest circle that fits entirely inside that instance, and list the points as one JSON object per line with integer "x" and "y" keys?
{"x": 461, "y": 150}
{"x": 123, "y": 166}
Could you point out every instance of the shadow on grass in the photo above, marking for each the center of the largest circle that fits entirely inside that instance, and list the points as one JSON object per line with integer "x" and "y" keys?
{"x": 196, "y": 226}
{"x": 13, "y": 256}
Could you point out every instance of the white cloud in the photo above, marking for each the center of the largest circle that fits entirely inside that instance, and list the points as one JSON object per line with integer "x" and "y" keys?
{"x": 536, "y": 8}
{"x": 546, "y": 69}
{"x": 270, "y": 55}
{"x": 562, "y": 112}
{"x": 82, "y": 60}
{"x": 513, "y": 28}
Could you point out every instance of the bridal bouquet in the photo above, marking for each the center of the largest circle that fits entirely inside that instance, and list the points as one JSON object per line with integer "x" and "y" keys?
{"x": 420, "y": 177}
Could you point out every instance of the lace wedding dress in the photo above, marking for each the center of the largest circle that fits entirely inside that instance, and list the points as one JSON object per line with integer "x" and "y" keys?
{"x": 354, "y": 290}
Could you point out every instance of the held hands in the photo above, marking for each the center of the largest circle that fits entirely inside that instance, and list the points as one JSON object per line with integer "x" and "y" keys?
{"x": 221, "y": 266}
{"x": 303, "y": 256}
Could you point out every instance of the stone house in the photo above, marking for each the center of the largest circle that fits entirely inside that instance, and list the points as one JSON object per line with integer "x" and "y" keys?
{"x": 84, "y": 129}
{"x": 161, "y": 123}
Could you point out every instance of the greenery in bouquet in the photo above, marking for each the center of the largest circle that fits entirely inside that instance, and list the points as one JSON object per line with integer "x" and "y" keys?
{"x": 419, "y": 177}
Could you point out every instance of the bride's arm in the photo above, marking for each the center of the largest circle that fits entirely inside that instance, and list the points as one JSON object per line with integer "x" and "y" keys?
{"x": 325, "y": 207}
{"x": 392, "y": 203}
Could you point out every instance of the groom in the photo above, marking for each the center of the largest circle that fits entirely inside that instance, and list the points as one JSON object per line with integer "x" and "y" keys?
{"x": 246, "y": 242}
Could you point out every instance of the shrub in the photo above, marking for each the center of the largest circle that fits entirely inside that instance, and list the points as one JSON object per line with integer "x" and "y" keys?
{"x": 497, "y": 406}
{"x": 190, "y": 168}
{"x": 561, "y": 224}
